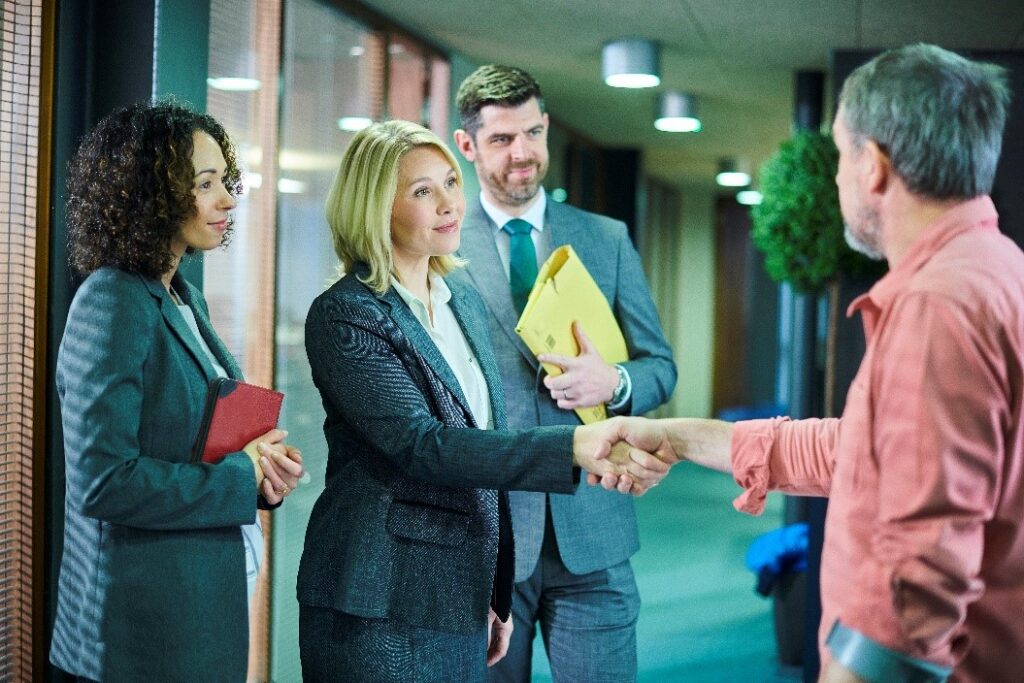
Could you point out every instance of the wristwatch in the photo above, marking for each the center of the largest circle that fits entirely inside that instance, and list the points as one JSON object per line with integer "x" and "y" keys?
{"x": 620, "y": 389}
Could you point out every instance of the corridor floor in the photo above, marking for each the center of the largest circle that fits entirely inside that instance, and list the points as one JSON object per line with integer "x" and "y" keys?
{"x": 701, "y": 621}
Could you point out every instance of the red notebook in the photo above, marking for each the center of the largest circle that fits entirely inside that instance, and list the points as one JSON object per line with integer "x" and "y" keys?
{"x": 235, "y": 414}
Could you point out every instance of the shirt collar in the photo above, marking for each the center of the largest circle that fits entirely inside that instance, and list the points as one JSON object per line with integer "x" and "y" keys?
{"x": 533, "y": 215}
{"x": 440, "y": 295}
{"x": 974, "y": 214}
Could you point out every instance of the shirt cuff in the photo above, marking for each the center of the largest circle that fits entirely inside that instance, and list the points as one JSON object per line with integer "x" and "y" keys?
{"x": 752, "y": 442}
{"x": 626, "y": 395}
{"x": 877, "y": 663}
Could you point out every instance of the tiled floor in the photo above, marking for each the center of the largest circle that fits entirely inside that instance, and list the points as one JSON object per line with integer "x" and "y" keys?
{"x": 701, "y": 621}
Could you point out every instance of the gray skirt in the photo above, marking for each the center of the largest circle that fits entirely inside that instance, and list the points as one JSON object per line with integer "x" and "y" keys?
{"x": 339, "y": 647}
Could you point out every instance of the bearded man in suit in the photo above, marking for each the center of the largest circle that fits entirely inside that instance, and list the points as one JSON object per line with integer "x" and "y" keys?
{"x": 573, "y": 575}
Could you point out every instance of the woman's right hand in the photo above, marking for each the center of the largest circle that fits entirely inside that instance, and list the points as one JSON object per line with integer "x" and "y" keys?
{"x": 278, "y": 466}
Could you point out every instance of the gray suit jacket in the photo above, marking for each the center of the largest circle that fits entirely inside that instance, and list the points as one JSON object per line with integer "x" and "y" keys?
{"x": 595, "y": 528}
{"x": 152, "y": 580}
{"x": 409, "y": 524}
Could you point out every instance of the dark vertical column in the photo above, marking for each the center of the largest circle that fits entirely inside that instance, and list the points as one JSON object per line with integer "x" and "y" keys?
{"x": 622, "y": 173}
{"x": 799, "y": 385}
{"x": 93, "y": 74}
{"x": 180, "y": 72}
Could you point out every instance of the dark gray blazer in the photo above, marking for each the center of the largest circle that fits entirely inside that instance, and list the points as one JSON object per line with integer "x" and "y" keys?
{"x": 595, "y": 528}
{"x": 152, "y": 580}
{"x": 408, "y": 526}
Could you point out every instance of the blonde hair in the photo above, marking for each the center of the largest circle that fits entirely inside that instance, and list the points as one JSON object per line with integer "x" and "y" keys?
{"x": 360, "y": 201}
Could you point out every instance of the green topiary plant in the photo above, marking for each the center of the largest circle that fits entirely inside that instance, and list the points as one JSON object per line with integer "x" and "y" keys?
{"x": 798, "y": 226}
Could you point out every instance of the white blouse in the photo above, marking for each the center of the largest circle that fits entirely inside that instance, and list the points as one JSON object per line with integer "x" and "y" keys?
{"x": 451, "y": 342}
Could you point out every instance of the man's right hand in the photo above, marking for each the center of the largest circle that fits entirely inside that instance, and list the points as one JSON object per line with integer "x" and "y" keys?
{"x": 603, "y": 451}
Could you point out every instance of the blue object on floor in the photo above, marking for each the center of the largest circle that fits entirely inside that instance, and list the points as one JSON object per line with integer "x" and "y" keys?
{"x": 776, "y": 552}
{"x": 752, "y": 412}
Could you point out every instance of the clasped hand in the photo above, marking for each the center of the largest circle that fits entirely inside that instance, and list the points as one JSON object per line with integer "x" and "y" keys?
{"x": 278, "y": 466}
{"x": 629, "y": 454}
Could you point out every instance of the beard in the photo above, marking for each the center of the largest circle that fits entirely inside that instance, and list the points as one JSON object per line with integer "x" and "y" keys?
{"x": 865, "y": 235}
{"x": 515, "y": 194}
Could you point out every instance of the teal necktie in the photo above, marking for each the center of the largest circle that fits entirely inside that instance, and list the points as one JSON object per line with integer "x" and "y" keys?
{"x": 522, "y": 261}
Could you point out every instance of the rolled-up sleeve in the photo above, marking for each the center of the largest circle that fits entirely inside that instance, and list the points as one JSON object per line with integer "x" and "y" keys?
{"x": 795, "y": 457}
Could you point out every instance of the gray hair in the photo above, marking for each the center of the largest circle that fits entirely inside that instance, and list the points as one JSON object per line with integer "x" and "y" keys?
{"x": 939, "y": 116}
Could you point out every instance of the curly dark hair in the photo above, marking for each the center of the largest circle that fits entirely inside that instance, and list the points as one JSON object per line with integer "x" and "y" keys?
{"x": 130, "y": 187}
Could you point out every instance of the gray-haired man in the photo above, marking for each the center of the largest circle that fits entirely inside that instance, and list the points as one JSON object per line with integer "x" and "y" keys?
{"x": 922, "y": 573}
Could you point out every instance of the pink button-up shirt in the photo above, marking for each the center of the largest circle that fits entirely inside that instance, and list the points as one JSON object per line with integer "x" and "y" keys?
{"x": 924, "y": 539}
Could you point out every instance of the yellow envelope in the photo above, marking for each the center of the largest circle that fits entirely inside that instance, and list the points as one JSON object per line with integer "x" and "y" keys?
{"x": 565, "y": 293}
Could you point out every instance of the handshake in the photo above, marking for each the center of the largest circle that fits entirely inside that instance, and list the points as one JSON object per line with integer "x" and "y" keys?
{"x": 633, "y": 454}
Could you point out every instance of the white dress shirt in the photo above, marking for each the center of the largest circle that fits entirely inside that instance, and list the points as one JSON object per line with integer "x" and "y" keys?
{"x": 534, "y": 216}
{"x": 446, "y": 333}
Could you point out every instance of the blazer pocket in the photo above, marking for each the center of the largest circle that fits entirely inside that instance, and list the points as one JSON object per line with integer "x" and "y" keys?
{"x": 427, "y": 523}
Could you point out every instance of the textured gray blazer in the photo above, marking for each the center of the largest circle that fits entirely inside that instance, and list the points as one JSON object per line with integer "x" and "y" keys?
{"x": 596, "y": 529}
{"x": 152, "y": 580}
{"x": 409, "y": 525}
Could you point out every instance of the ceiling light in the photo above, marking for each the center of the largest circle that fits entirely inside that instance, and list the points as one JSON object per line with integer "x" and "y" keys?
{"x": 290, "y": 186}
{"x": 731, "y": 174}
{"x": 631, "y": 63}
{"x": 677, "y": 113}
{"x": 354, "y": 123}
{"x": 233, "y": 84}
{"x": 749, "y": 197}
{"x": 357, "y": 50}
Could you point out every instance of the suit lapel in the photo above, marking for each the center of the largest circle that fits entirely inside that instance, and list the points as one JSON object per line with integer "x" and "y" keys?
{"x": 488, "y": 274}
{"x": 178, "y": 326}
{"x": 418, "y": 337}
{"x": 567, "y": 229}
{"x": 475, "y": 331}
{"x": 562, "y": 229}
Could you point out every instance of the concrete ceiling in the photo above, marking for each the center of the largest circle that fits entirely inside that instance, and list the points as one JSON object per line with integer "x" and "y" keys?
{"x": 738, "y": 57}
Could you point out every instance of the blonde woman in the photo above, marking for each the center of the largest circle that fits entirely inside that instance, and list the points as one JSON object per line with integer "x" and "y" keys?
{"x": 407, "y": 568}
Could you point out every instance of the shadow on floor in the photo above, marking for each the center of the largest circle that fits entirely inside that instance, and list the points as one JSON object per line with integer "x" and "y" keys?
{"x": 701, "y": 621}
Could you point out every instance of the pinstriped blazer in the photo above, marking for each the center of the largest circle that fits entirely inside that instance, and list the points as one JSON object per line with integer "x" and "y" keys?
{"x": 596, "y": 529}
{"x": 152, "y": 579}
{"x": 409, "y": 523}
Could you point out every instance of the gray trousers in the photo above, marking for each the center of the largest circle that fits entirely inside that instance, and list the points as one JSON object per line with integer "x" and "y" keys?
{"x": 342, "y": 648}
{"x": 587, "y": 621}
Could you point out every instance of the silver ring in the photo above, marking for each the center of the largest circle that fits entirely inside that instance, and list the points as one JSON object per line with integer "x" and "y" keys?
{"x": 565, "y": 395}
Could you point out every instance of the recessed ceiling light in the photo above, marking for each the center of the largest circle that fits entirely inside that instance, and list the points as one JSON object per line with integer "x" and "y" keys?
{"x": 749, "y": 197}
{"x": 354, "y": 123}
{"x": 730, "y": 174}
{"x": 631, "y": 63}
{"x": 677, "y": 113}
{"x": 233, "y": 84}
{"x": 290, "y": 186}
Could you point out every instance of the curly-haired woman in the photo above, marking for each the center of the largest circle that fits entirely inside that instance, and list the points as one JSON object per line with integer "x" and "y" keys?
{"x": 157, "y": 548}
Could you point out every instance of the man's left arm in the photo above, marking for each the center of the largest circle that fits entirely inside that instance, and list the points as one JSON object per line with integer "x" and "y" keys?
{"x": 938, "y": 445}
{"x": 643, "y": 382}
{"x": 651, "y": 369}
